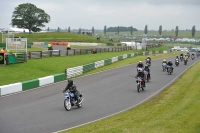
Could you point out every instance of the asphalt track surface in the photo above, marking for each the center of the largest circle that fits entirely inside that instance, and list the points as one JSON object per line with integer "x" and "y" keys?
{"x": 41, "y": 110}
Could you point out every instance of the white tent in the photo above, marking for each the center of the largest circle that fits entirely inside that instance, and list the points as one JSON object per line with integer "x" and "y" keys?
{"x": 16, "y": 30}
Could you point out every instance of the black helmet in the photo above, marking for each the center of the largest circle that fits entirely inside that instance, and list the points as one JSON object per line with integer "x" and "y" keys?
{"x": 70, "y": 82}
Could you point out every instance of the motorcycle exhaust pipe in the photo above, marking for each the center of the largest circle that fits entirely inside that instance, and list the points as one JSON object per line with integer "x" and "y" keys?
{"x": 81, "y": 101}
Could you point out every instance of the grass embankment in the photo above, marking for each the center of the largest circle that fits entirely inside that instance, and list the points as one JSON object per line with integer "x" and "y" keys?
{"x": 59, "y": 37}
{"x": 175, "y": 110}
{"x": 36, "y": 68}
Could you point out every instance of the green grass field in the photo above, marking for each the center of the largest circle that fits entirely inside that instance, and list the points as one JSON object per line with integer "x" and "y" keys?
{"x": 175, "y": 110}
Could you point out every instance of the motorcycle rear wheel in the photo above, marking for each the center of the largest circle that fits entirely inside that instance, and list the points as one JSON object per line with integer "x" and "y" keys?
{"x": 80, "y": 105}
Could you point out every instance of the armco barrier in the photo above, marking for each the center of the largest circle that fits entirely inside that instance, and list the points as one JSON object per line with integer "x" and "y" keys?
{"x": 11, "y": 88}
{"x": 72, "y": 72}
{"x": 46, "y": 80}
{"x": 59, "y": 77}
{"x": 26, "y": 85}
{"x": 30, "y": 84}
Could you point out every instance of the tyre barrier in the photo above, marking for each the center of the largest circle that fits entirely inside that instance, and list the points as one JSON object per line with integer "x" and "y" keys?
{"x": 59, "y": 43}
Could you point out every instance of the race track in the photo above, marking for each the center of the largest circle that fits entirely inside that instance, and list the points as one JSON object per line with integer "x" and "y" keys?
{"x": 105, "y": 93}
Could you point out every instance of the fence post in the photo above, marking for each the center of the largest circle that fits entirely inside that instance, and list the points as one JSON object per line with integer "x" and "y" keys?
{"x": 24, "y": 57}
{"x": 51, "y": 53}
{"x": 59, "y": 52}
{"x": 74, "y": 51}
{"x": 30, "y": 55}
{"x": 80, "y": 51}
{"x": 67, "y": 52}
{"x": 40, "y": 54}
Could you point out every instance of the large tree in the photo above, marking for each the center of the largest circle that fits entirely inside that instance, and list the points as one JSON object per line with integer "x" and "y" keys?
{"x": 160, "y": 30}
{"x": 193, "y": 31}
{"x": 145, "y": 29}
{"x": 176, "y": 31}
{"x": 104, "y": 30}
{"x": 30, "y": 17}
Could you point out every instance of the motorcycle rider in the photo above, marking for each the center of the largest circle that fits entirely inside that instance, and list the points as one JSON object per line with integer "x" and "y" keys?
{"x": 149, "y": 59}
{"x": 71, "y": 87}
{"x": 141, "y": 75}
{"x": 140, "y": 65}
{"x": 164, "y": 61}
{"x": 192, "y": 55}
{"x": 170, "y": 64}
{"x": 177, "y": 58}
{"x": 147, "y": 69}
{"x": 181, "y": 57}
{"x": 188, "y": 53}
{"x": 186, "y": 57}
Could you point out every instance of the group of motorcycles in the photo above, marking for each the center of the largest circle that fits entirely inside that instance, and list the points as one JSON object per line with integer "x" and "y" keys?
{"x": 140, "y": 81}
{"x": 70, "y": 101}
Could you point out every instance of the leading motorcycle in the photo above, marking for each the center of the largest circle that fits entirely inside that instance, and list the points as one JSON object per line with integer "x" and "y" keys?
{"x": 70, "y": 101}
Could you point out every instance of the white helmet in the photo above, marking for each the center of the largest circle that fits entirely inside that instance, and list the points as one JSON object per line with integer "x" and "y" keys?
{"x": 139, "y": 69}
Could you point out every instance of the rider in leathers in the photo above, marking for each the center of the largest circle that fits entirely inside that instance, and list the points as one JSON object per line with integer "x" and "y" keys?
{"x": 170, "y": 64}
{"x": 140, "y": 65}
{"x": 72, "y": 88}
{"x": 147, "y": 69}
{"x": 141, "y": 75}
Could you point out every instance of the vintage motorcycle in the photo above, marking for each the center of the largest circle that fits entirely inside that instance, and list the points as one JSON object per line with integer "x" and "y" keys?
{"x": 176, "y": 62}
{"x": 164, "y": 66}
{"x": 169, "y": 70}
{"x": 140, "y": 85}
{"x": 192, "y": 56}
{"x": 70, "y": 101}
{"x": 148, "y": 62}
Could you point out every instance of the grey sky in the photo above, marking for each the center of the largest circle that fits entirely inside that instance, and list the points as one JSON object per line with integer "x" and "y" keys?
{"x": 98, "y": 13}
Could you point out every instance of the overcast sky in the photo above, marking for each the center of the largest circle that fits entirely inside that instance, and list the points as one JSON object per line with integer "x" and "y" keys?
{"x": 98, "y": 13}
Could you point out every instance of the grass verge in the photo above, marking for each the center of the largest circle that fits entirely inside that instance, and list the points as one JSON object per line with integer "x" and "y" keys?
{"x": 175, "y": 110}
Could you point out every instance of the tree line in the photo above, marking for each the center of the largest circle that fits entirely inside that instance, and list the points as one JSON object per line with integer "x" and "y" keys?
{"x": 28, "y": 16}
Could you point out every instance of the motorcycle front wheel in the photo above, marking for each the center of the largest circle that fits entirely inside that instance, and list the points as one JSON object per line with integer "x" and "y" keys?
{"x": 138, "y": 87}
{"x": 67, "y": 104}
